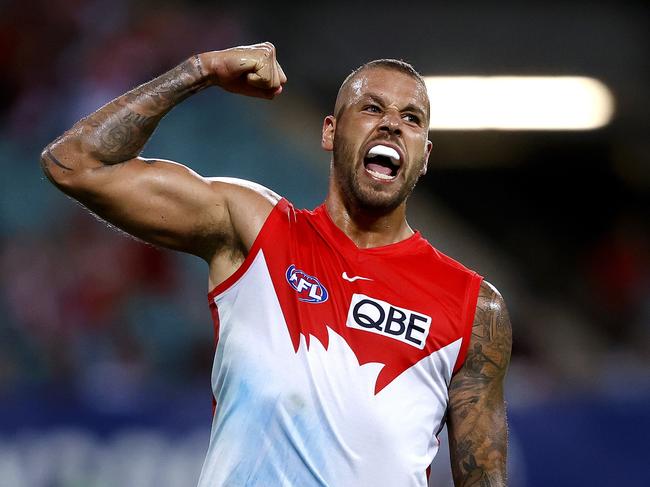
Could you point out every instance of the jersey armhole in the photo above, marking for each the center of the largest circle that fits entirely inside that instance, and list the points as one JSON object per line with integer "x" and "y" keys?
{"x": 469, "y": 311}
{"x": 281, "y": 208}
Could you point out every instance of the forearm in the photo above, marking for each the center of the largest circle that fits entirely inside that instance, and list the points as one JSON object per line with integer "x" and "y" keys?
{"x": 119, "y": 130}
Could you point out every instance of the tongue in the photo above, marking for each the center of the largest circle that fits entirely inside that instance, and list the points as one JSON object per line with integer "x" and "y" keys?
{"x": 378, "y": 168}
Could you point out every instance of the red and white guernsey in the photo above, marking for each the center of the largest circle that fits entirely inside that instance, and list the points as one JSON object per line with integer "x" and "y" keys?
{"x": 333, "y": 362}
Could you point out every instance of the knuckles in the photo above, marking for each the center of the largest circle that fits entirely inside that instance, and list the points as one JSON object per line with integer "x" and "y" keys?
{"x": 253, "y": 65}
{"x": 267, "y": 49}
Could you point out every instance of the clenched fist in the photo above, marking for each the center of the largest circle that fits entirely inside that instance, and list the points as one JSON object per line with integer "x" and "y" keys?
{"x": 247, "y": 70}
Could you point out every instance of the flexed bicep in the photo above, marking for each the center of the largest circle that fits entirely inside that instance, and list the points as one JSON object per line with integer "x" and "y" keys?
{"x": 97, "y": 161}
{"x": 159, "y": 201}
{"x": 168, "y": 204}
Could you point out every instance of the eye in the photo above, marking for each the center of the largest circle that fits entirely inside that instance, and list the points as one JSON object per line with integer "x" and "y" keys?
{"x": 372, "y": 108}
{"x": 409, "y": 117}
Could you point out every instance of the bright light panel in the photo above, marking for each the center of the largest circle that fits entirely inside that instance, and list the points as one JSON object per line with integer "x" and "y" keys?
{"x": 518, "y": 103}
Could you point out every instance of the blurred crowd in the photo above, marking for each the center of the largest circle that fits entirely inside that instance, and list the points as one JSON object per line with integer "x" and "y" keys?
{"x": 81, "y": 301}
{"x": 63, "y": 58}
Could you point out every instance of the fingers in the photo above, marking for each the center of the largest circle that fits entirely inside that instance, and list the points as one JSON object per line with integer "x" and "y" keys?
{"x": 248, "y": 70}
{"x": 283, "y": 77}
{"x": 267, "y": 74}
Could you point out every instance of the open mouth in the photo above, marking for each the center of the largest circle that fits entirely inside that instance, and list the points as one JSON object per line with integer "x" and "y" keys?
{"x": 382, "y": 162}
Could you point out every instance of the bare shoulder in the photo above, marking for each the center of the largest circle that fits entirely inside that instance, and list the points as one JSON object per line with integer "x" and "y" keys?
{"x": 248, "y": 205}
{"x": 492, "y": 321}
{"x": 245, "y": 188}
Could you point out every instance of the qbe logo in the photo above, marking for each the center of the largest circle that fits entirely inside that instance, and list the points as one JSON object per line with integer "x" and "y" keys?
{"x": 309, "y": 288}
{"x": 383, "y": 318}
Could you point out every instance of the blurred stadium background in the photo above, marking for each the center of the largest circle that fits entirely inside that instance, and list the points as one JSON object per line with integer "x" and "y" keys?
{"x": 106, "y": 344}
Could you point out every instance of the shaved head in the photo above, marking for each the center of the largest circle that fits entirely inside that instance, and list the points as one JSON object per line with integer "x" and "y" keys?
{"x": 348, "y": 85}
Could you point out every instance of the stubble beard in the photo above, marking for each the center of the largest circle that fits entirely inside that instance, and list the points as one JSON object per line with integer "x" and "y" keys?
{"x": 365, "y": 196}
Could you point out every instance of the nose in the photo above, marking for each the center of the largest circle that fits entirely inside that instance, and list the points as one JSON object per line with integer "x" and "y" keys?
{"x": 391, "y": 122}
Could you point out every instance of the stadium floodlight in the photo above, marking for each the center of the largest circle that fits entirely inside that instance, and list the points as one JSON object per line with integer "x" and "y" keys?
{"x": 518, "y": 103}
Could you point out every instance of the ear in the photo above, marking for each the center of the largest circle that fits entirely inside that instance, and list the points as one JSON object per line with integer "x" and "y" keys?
{"x": 327, "y": 138}
{"x": 427, "y": 153}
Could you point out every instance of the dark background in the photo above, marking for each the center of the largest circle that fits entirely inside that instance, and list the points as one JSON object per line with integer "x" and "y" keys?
{"x": 106, "y": 343}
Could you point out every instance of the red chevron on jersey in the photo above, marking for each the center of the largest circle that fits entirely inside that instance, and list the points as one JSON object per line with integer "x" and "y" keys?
{"x": 321, "y": 251}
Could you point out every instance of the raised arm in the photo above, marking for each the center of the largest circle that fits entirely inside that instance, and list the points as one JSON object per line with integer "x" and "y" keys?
{"x": 477, "y": 423}
{"x": 97, "y": 161}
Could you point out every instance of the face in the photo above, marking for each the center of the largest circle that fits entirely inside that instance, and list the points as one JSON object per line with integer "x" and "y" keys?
{"x": 379, "y": 138}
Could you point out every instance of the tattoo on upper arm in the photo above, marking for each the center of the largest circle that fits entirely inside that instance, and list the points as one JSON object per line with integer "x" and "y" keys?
{"x": 478, "y": 435}
{"x": 489, "y": 355}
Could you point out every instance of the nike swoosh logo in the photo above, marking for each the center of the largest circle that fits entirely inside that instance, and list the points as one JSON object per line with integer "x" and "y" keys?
{"x": 354, "y": 278}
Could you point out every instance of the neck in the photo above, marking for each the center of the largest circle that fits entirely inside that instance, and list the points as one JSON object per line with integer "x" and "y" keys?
{"x": 366, "y": 228}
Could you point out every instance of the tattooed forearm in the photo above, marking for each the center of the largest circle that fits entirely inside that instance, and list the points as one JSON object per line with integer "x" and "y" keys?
{"x": 197, "y": 62}
{"x": 167, "y": 90}
{"x": 477, "y": 418}
{"x": 122, "y": 138}
{"x": 119, "y": 130}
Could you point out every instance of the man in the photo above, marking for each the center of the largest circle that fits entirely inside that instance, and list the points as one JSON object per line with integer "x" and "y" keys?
{"x": 345, "y": 341}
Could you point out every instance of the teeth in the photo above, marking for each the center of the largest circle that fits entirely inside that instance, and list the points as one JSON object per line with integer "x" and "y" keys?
{"x": 379, "y": 175}
{"x": 383, "y": 150}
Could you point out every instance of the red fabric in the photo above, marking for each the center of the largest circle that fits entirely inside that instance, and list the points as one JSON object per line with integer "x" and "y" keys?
{"x": 410, "y": 275}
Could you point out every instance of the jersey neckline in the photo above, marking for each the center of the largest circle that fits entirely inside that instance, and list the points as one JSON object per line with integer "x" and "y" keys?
{"x": 325, "y": 223}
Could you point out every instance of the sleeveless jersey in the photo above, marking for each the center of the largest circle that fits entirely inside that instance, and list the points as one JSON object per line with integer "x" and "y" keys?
{"x": 332, "y": 362}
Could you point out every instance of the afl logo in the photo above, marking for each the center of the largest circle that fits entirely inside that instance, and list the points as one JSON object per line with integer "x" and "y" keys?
{"x": 309, "y": 288}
